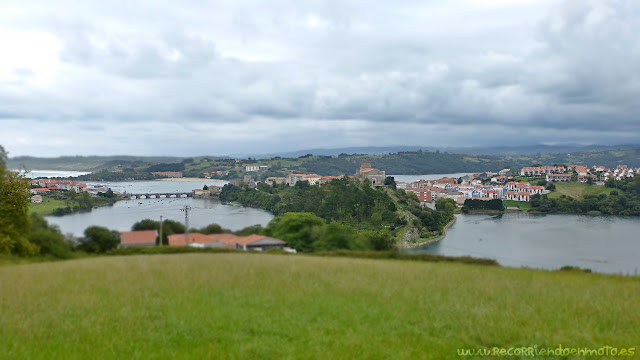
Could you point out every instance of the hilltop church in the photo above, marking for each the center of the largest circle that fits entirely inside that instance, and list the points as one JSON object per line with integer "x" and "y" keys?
{"x": 375, "y": 176}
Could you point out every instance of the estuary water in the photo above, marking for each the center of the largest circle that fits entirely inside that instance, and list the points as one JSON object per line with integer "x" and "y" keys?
{"x": 54, "y": 173}
{"x": 123, "y": 214}
{"x": 606, "y": 244}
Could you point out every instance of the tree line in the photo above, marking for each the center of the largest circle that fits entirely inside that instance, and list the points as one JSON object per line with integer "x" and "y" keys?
{"x": 623, "y": 200}
{"x": 341, "y": 214}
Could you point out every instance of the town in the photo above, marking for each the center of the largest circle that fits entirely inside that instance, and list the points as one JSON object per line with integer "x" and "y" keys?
{"x": 506, "y": 184}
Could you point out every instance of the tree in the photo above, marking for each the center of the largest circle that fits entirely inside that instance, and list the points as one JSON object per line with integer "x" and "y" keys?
{"x": 298, "y": 229}
{"x": 249, "y": 230}
{"x": 390, "y": 180}
{"x": 380, "y": 240}
{"x": 98, "y": 239}
{"x": 14, "y": 211}
{"x": 48, "y": 238}
{"x": 205, "y": 187}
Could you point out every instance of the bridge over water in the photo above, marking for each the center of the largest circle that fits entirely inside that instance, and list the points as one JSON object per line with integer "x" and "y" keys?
{"x": 157, "y": 195}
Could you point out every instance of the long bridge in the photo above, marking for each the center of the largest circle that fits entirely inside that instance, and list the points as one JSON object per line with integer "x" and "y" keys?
{"x": 157, "y": 195}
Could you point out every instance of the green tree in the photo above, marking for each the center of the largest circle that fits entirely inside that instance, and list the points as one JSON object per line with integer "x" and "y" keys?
{"x": 48, "y": 238}
{"x": 380, "y": 240}
{"x": 298, "y": 229}
{"x": 14, "y": 211}
{"x": 390, "y": 180}
{"x": 146, "y": 224}
{"x": 249, "y": 230}
{"x": 98, "y": 239}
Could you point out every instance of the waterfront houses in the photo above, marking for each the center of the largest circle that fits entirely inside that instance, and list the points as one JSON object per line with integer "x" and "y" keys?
{"x": 431, "y": 190}
{"x": 52, "y": 184}
{"x": 541, "y": 170}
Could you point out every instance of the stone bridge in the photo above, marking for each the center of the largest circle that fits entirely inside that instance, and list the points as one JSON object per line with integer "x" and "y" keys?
{"x": 157, "y": 195}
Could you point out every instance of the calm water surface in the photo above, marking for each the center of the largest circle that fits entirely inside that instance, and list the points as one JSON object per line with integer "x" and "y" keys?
{"x": 123, "y": 214}
{"x": 157, "y": 186}
{"x": 54, "y": 173}
{"x": 608, "y": 244}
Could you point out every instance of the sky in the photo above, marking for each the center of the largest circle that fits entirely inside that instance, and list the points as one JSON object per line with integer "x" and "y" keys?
{"x": 197, "y": 77}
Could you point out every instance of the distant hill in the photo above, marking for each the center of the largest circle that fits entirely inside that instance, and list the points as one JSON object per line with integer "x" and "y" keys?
{"x": 85, "y": 163}
{"x": 494, "y": 150}
{"x": 414, "y": 162}
{"x": 428, "y": 162}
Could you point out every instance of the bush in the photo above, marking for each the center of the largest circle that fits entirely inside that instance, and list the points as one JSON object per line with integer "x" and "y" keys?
{"x": 99, "y": 239}
{"x": 48, "y": 238}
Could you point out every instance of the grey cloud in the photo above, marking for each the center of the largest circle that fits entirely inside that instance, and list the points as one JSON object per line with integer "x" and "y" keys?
{"x": 327, "y": 67}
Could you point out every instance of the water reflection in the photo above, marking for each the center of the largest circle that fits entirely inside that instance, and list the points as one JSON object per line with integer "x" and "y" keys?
{"x": 606, "y": 244}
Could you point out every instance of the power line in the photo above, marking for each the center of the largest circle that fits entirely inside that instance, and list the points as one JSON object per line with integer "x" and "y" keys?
{"x": 186, "y": 223}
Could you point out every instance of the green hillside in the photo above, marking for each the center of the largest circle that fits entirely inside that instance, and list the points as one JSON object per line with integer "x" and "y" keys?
{"x": 252, "y": 306}
{"x": 414, "y": 162}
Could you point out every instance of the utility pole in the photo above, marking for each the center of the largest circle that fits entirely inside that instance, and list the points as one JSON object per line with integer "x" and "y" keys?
{"x": 160, "y": 242}
{"x": 186, "y": 224}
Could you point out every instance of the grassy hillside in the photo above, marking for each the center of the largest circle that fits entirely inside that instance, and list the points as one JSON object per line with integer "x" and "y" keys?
{"x": 250, "y": 306}
{"x": 578, "y": 191}
{"x": 83, "y": 163}
{"x": 415, "y": 162}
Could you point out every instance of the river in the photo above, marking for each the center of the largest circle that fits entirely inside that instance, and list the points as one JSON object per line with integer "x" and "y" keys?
{"x": 53, "y": 173}
{"x": 606, "y": 244}
{"x": 123, "y": 214}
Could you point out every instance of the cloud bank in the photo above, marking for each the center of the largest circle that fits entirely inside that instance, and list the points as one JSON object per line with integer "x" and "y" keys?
{"x": 221, "y": 77}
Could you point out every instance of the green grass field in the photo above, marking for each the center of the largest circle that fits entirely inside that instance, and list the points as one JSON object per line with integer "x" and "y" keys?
{"x": 250, "y": 306}
{"x": 578, "y": 191}
{"x": 47, "y": 206}
{"x": 523, "y": 205}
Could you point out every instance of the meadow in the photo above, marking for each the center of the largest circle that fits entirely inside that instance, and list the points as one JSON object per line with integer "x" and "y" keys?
{"x": 47, "y": 207}
{"x": 578, "y": 191}
{"x": 265, "y": 306}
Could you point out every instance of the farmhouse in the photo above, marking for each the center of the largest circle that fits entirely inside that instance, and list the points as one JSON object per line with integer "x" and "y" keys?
{"x": 138, "y": 238}
{"x": 230, "y": 241}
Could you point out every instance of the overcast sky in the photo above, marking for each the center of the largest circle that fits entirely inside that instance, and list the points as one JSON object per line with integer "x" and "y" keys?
{"x": 197, "y": 77}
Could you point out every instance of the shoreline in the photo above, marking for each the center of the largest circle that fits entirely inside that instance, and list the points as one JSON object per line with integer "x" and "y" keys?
{"x": 434, "y": 240}
{"x": 188, "y": 179}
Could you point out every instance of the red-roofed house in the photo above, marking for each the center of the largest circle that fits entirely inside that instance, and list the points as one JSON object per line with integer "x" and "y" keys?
{"x": 558, "y": 177}
{"x": 424, "y": 195}
{"x": 251, "y": 242}
{"x": 292, "y": 179}
{"x": 138, "y": 238}
{"x": 258, "y": 242}
{"x": 313, "y": 179}
{"x": 39, "y": 190}
{"x": 195, "y": 239}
